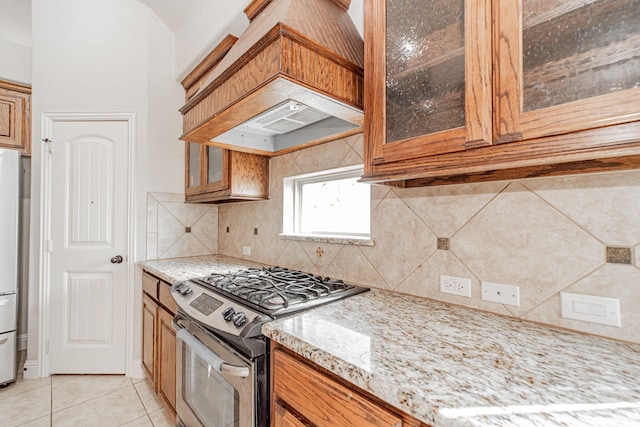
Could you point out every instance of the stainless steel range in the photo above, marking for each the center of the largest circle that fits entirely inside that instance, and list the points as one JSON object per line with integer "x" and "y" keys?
{"x": 222, "y": 357}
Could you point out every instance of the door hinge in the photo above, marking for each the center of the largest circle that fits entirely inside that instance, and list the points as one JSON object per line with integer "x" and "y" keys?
{"x": 50, "y": 245}
{"x": 46, "y": 346}
{"x": 49, "y": 144}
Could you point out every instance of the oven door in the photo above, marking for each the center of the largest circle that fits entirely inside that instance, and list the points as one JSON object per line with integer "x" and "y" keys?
{"x": 214, "y": 384}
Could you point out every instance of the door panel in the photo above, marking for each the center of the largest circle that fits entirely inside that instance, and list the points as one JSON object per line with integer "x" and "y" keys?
{"x": 88, "y": 228}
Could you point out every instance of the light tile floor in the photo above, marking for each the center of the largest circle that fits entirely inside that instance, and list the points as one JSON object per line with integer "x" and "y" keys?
{"x": 82, "y": 400}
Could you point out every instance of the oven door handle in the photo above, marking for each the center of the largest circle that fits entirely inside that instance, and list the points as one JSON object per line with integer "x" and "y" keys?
{"x": 215, "y": 361}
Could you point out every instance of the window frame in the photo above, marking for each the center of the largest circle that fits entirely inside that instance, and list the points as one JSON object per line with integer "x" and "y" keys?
{"x": 293, "y": 199}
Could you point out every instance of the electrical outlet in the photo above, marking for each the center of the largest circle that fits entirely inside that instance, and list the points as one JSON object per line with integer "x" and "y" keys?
{"x": 246, "y": 250}
{"x": 500, "y": 293}
{"x": 455, "y": 285}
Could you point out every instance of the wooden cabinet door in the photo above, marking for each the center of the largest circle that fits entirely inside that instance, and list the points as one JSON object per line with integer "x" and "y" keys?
{"x": 564, "y": 66}
{"x": 149, "y": 315}
{"x": 428, "y": 79}
{"x": 166, "y": 358}
{"x": 320, "y": 400}
{"x": 215, "y": 168}
{"x": 12, "y": 109}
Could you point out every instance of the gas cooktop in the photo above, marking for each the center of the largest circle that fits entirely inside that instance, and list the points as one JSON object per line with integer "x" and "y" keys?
{"x": 239, "y": 303}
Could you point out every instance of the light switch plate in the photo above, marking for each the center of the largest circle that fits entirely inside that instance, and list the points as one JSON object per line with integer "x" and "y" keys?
{"x": 246, "y": 250}
{"x": 590, "y": 308}
{"x": 501, "y": 293}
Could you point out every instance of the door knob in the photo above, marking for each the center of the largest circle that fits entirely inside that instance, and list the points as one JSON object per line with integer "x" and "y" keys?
{"x": 116, "y": 259}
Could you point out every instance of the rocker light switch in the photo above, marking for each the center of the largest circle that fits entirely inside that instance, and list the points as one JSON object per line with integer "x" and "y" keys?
{"x": 589, "y": 308}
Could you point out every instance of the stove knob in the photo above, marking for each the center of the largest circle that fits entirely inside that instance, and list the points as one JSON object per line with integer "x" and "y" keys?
{"x": 239, "y": 319}
{"x": 228, "y": 314}
{"x": 185, "y": 290}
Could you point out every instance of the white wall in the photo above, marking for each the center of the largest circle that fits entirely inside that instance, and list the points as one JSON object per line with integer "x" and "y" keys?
{"x": 106, "y": 56}
{"x": 15, "y": 40}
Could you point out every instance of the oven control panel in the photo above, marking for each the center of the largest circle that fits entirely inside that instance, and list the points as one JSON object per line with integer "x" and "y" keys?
{"x": 213, "y": 310}
{"x": 205, "y": 304}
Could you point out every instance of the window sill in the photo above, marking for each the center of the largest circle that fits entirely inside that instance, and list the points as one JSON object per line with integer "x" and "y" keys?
{"x": 341, "y": 240}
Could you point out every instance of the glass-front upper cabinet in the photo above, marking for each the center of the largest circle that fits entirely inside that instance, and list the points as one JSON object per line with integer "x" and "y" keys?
{"x": 217, "y": 175}
{"x": 429, "y": 82}
{"x": 565, "y": 66}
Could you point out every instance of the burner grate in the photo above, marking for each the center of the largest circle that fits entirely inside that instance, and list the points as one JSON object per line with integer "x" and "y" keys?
{"x": 277, "y": 288}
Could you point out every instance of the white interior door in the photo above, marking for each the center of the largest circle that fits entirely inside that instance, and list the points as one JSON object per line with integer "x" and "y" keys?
{"x": 88, "y": 227}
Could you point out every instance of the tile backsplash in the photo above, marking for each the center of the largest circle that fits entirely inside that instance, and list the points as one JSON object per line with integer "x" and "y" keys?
{"x": 178, "y": 229}
{"x": 545, "y": 235}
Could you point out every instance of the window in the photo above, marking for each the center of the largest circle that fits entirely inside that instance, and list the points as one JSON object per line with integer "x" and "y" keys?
{"x": 329, "y": 204}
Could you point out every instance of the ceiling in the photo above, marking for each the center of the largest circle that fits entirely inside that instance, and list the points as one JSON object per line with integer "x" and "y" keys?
{"x": 174, "y": 12}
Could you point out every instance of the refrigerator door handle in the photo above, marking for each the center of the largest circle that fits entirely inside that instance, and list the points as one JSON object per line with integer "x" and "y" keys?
{"x": 4, "y": 340}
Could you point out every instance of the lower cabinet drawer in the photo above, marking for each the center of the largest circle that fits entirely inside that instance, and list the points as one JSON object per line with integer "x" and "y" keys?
{"x": 320, "y": 400}
{"x": 7, "y": 313}
{"x": 150, "y": 285}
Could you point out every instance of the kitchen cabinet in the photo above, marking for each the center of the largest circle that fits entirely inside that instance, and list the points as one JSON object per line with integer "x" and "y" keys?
{"x": 158, "y": 337}
{"x": 482, "y": 90}
{"x": 218, "y": 175}
{"x": 305, "y": 395}
{"x": 15, "y": 116}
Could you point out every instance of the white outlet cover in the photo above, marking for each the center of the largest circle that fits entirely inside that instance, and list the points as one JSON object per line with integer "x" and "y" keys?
{"x": 501, "y": 293}
{"x": 455, "y": 285}
{"x": 246, "y": 250}
{"x": 590, "y": 308}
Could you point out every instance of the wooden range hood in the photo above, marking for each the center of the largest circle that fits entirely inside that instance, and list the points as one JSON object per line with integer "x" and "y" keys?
{"x": 305, "y": 52}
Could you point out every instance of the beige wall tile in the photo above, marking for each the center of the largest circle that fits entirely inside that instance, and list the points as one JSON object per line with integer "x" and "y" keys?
{"x": 295, "y": 257}
{"x": 323, "y": 156}
{"x": 606, "y": 205}
{"x": 448, "y": 208}
{"x": 520, "y": 240}
{"x": 352, "y": 266}
{"x": 167, "y": 219}
{"x": 402, "y": 240}
{"x": 205, "y": 229}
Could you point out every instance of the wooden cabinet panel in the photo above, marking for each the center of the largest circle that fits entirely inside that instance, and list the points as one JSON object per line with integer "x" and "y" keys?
{"x": 165, "y": 298}
{"x": 159, "y": 337}
{"x": 15, "y": 116}
{"x": 149, "y": 315}
{"x": 166, "y": 358}
{"x": 320, "y": 400}
{"x": 562, "y": 84}
{"x": 284, "y": 418}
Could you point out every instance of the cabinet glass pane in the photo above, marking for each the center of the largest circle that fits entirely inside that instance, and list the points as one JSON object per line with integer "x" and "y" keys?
{"x": 579, "y": 49}
{"x": 214, "y": 164}
{"x": 194, "y": 165}
{"x": 424, "y": 67}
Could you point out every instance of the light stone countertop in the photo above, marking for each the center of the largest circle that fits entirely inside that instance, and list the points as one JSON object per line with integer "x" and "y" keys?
{"x": 177, "y": 269}
{"x": 451, "y": 366}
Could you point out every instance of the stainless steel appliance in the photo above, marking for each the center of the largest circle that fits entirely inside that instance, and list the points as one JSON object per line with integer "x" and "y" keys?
{"x": 9, "y": 225}
{"x": 222, "y": 357}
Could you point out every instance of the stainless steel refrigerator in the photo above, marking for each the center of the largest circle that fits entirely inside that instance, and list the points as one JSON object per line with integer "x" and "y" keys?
{"x": 9, "y": 261}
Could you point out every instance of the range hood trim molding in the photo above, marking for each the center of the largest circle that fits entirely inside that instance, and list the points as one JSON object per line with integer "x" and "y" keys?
{"x": 275, "y": 34}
